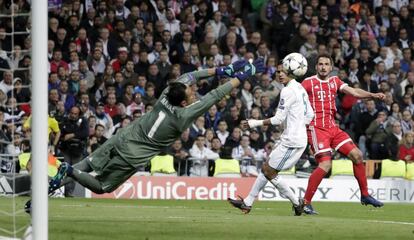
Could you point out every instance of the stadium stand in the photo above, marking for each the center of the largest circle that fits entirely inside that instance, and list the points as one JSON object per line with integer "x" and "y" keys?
{"x": 114, "y": 58}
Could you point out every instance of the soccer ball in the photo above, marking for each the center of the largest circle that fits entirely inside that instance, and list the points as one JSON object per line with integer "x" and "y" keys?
{"x": 295, "y": 64}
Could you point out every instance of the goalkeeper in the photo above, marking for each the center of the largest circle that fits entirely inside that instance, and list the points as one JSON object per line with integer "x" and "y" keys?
{"x": 119, "y": 157}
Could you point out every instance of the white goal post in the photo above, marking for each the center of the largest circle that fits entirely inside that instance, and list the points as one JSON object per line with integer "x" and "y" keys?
{"x": 40, "y": 116}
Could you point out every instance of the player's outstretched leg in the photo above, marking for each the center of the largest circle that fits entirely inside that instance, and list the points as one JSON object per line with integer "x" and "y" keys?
{"x": 315, "y": 179}
{"x": 369, "y": 200}
{"x": 54, "y": 183}
{"x": 285, "y": 190}
{"x": 239, "y": 203}
{"x": 308, "y": 209}
{"x": 63, "y": 170}
{"x": 359, "y": 172}
{"x": 298, "y": 209}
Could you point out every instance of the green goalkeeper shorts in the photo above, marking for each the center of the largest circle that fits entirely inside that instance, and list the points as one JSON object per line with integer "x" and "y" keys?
{"x": 111, "y": 169}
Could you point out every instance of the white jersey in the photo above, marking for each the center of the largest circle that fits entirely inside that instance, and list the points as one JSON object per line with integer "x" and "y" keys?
{"x": 294, "y": 108}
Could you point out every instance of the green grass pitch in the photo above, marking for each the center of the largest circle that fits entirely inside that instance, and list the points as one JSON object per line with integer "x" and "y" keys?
{"x": 91, "y": 219}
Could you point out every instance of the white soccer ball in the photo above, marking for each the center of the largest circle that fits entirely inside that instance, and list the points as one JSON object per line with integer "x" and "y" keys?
{"x": 295, "y": 64}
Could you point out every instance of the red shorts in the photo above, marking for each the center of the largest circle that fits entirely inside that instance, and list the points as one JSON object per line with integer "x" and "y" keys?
{"x": 323, "y": 140}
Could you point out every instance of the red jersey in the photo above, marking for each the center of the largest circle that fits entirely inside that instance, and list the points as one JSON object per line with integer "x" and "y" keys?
{"x": 322, "y": 95}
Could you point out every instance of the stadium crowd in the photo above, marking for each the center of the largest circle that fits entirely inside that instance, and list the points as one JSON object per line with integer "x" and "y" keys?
{"x": 110, "y": 60}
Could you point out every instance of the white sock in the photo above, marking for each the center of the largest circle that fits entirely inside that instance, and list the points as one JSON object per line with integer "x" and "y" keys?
{"x": 258, "y": 185}
{"x": 284, "y": 189}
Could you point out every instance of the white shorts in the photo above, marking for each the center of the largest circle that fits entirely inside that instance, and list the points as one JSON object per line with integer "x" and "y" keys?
{"x": 283, "y": 158}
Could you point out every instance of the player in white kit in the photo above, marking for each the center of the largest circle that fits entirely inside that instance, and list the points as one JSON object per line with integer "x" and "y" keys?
{"x": 296, "y": 112}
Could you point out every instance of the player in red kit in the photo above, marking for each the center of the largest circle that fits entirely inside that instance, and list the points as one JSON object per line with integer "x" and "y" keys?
{"x": 324, "y": 135}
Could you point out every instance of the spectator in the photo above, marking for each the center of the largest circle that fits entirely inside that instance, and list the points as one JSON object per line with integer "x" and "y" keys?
{"x": 201, "y": 155}
{"x": 164, "y": 65}
{"x": 180, "y": 157}
{"x": 218, "y": 27}
{"x": 380, "y": 73}
{"x": 212, "y": 118}
{"x": 6, "y": 84}
{"x": 407, "y": 123}
{"x": 367, "y": 84}
{"x": 310, "y": 46}
{"x": 65, "y": 96}
{"x": 137, "y": 104}
{"x": 120, "y": 116}
{"x": 406, "y": 60}
{"x": 395, "y": 113}
{"x": 270, "y": 90}
{"x": 149, "y": 97}
{"x": 86, "y": 74}
{"x": 216, "y": 145}
{"x": 408, "y": 81}
{"x": 265, "y": 109}
{"x": 209, "y": 135}
{"x": 385, "y": 57}
{"x": 222, "y": 132}
{"x": 20, "y": 92}
{"x": 406, "y": 151}
{"x": 234, "y": 139}
{"x": 393, "y": 138}
{"x": 353, "y": 72}
{"x": 197, "y": 128}
{"x": 99, "y": 134}
{"x": 74, "y": 133}
{"x": 233, "y": 119}
{"x": 377, "y": 134}
{"x": 246, "y": 95}
{"x": 247, "y": 155}
{"x": 104, "y": 119}
{"x": 172, "y": 24}
{"x": 395, "y": 87}
{"x": 282, "y": 31}
{"x": 407, "y": 103}
{"x": 361, "y": 122}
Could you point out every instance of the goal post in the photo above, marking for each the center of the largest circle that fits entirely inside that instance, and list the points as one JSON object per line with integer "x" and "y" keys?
{"x": 39, "y": 120}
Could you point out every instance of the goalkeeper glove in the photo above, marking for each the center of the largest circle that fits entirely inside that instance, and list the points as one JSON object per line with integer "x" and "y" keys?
{"x": 229, "y": 70}
{"x": 254, "y": 123}
{"x": 251, "y": 69}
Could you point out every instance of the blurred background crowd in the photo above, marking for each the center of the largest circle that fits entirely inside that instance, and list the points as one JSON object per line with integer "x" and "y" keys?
{"x": 110, "y": 60}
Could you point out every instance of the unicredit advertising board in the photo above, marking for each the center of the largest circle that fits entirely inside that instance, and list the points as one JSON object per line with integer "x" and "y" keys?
{"x": 186, "y": 188}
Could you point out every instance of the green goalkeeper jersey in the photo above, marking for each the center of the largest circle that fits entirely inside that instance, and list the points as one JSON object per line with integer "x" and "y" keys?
{"x": 158, "y": 129}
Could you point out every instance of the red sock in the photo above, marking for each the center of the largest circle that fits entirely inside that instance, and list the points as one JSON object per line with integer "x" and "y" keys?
{"x": 359, "y": 173}
{"x": 313, "y": 183}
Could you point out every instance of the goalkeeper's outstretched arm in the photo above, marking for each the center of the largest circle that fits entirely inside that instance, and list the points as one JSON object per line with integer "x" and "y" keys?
{"x": 232, "y": 70}
{"x": 192, "y": 77}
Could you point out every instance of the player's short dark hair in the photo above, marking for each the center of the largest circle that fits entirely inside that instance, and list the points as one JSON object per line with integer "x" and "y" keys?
{"x": 324, "y": 55}
{"x": 176, "y": 93}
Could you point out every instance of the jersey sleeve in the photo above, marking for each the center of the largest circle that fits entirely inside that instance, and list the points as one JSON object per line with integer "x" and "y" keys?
{"x": 286, "y": 100}
{"x": 340, "y": 84}
{"x": 189, "y": 78}
{"x": 201, "y": 106}
{"x": 192, "y": 77}
{"x": 309, "y": 114}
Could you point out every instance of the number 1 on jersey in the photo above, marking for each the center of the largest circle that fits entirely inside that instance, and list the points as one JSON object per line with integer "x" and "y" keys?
{"x": 161, "y": 116}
